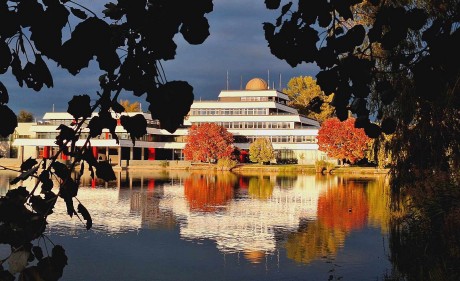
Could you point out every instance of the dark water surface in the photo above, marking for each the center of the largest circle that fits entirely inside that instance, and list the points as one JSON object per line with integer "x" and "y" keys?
{"x": 195, "y": 226}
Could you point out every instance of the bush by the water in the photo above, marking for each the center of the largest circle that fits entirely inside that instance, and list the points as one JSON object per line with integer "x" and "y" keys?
{"x": 226, "y": 164}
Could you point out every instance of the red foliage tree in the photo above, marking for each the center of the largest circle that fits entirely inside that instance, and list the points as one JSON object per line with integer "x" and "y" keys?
{"x": 342, "y": 140}
{"x": 208, "y": 142}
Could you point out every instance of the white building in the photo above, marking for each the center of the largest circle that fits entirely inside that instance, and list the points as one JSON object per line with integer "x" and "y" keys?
{"x": 248, "y": 114}
{"x": 257, "y": 112}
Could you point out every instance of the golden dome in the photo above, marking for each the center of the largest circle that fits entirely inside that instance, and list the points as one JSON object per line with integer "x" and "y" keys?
{"x": 256, "y": 84}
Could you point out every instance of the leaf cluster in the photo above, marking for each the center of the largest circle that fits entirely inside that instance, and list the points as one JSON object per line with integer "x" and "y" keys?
{"x": 128, "y": 42}
{"x": 361, "y": 46}
{"x": 49, "y": 267}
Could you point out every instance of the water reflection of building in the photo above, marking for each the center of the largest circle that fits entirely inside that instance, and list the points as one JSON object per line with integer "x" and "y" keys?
{"x": 147, "y": 205}
{"x": 247, "y": 225}
{"x": 110, "y": 212}
{"x": 251, "y": 215}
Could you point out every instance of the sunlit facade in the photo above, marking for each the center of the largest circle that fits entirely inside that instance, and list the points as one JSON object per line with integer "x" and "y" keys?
{"x": 259, "y": 112}
{"x": 248, "y": 114}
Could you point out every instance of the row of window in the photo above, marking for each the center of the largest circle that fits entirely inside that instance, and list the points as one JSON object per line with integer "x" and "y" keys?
{"x": 164, "y": 138}
{"x": 277, "y": 139}
{"x": 251, "y": 125}
{"x": 122, "y": 136}
{"x": 254, "y": 98}
{"x": 56, "y": 122}
{"x": 229, "y": 111}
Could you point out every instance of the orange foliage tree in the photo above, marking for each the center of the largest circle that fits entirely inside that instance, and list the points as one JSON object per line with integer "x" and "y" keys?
{"x": 342, "y": 140}
{"x": 208, "y": 142}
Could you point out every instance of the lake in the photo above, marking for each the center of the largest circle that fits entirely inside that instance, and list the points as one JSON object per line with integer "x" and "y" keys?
{"x": 180, "y": 225}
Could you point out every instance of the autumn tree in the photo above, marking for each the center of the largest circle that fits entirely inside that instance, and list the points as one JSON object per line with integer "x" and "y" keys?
{"x": 131, "y": 106}
{"x": 341, "y": 140}
{"x": 25, "y": 116}
{"x": 261, "y": 151}
{"x": 308, "y": 98}
{"x": 208, "y": 142}
{"x": 393, "y": 64}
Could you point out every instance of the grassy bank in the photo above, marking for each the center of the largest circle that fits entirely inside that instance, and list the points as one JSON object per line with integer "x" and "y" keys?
{"x": 240, "y": 168}
{"x": 306, "y": 169}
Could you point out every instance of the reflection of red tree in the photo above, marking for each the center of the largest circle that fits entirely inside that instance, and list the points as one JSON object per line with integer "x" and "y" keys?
{"x": 343, "y": 207}
{"x": 207, "y": 193}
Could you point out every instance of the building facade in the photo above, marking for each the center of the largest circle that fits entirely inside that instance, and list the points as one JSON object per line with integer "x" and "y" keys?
{"x": 252, "y": 113}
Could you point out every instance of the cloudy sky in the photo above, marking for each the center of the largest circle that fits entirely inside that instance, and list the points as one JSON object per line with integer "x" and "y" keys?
{"x": 236, "y": 45}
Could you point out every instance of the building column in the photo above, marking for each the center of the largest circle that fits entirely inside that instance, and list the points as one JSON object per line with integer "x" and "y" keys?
{"x": 131, "y": 153}
{"x": 21, "y": 153}
{"x": 142, "y": 153}
{"x": 119, "y": 156}
{"x": 107, "y": 153}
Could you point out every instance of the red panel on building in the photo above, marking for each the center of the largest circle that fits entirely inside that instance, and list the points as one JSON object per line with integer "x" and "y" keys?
{"x": 151, "y": 153}
{"x": 46, "y": 152}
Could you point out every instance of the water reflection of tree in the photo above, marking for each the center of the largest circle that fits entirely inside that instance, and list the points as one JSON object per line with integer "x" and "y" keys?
{"x": 314, "y": 240}
{"x": 425, "y": 233}
{"x": 341, "y": 208}
{"x": 209, "y": 192}
{"x": 260, "y": 188}
{"x": 344, "y": 207}
{"x": 378, "y": 196}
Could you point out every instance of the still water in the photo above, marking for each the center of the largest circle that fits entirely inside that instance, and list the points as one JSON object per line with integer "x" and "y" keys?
{"x": 222, "y": 226}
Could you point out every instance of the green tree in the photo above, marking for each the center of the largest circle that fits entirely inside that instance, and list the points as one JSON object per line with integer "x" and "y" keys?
{"x": 308, "y": 98}
{"x": 25, "y": 116}
{"x": 261, "y": 151}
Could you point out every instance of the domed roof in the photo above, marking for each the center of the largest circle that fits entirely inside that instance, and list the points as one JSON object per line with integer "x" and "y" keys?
{"x": 256, "y": 84}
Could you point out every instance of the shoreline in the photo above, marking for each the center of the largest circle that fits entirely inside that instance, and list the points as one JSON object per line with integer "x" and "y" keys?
{"x": 240, "y": 168}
